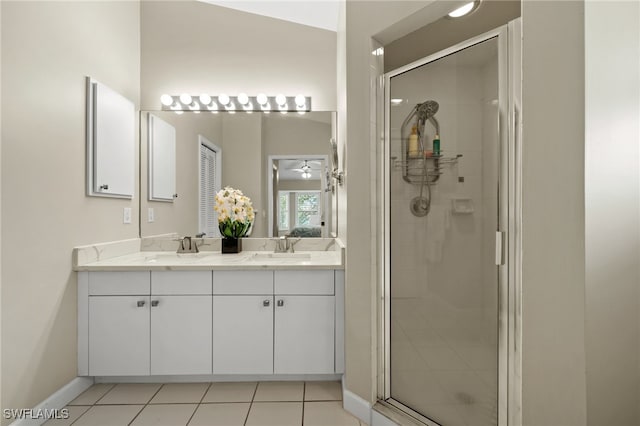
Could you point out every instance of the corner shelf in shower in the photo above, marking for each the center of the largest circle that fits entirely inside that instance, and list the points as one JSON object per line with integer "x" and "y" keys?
{"x": 413, "y": 168}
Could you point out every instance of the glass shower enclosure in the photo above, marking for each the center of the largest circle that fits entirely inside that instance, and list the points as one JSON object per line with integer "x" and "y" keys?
{"x": 446, "y": 212}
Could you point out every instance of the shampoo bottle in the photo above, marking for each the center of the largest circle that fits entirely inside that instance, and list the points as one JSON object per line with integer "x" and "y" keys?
{"x": 413, "y": 143}
{"x": 436, "y": 146}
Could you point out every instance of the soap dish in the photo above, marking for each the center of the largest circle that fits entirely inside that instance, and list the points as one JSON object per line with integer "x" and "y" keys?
{"x": 462, "y": 206}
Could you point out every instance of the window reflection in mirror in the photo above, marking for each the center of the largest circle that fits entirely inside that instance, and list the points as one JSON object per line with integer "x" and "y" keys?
{"x": 246, "y": 147}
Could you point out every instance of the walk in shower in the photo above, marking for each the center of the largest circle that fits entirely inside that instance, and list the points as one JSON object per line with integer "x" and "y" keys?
{"x": 446, "y": 200}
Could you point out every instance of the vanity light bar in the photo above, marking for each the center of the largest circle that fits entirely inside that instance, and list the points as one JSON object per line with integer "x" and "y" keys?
{"x": 242, "y": 102}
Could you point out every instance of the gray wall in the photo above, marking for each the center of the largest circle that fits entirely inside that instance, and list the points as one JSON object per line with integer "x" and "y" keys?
{"x": 358, "y": 150}
{"x": 47, "y": 50}
{"x": 446, "y": 32}
{"x": 553, "y": 369}
{"x": 553, "y": 275}
{"x": 195, "y": 47}
{"x": 612, "y": 30}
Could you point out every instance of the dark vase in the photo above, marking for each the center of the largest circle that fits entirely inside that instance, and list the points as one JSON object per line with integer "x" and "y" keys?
{"x": 231, "y": 245}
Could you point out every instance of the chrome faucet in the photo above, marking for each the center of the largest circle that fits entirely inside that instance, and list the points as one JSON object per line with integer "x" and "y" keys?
{"x": 285, "y": 245}
{"x": 187, "y": 245}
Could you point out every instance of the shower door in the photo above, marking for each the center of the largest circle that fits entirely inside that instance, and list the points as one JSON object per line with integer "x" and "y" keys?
{"x": 445, "y": 198}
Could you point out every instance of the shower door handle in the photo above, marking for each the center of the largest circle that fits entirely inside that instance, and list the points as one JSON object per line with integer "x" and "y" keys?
{"x": 499, "y": 248}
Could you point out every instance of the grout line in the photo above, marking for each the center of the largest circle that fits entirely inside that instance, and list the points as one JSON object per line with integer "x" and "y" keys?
{"x": 145, "y": 405}
{"x": 255, "y": 391}
{"x": 85, "y": 412}
{"x": 104, "y": 394}
{"x": 304, "y": 390}
{"x": 199, "y": 403}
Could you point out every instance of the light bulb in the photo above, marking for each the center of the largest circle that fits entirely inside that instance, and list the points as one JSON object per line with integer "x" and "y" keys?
{"x": 266, "y": 107}
{"x": 262, "y": 99}
{"x": 185, "y": 98}
{"x": 281, "y": 100}
{"x": 462, "y": 10}
{"x": 224, "y": 99}
{"x": 166, "y": 100}
{"x": 243, "y": 98}
{"x": 248, "y": 107}
{"x": 212, "y": 107}
{"x": 306, "y": 175}
{"x": 194, "y": 106}
{"x": 205, "y": 99}
{"x": 300, "y": 101}
{"x": 230, "y": 106}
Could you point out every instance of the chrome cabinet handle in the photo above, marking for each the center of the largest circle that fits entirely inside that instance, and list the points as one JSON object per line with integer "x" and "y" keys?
{"x": 280, "y": 302}
{"x": 140, "y": 303}
{"x": 155, "y": 302}
{"x": 266, "y": 302}
{"x": 104, "y": 187}
{"x": 175, "y": 195}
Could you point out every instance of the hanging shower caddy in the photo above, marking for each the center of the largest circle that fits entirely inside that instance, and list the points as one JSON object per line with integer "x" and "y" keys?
{"x": 424, "y": 166}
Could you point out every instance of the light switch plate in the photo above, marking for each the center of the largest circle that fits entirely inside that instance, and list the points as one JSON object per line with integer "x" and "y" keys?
{"x": 126, "y": 215}
{"x": 151, "y": 215}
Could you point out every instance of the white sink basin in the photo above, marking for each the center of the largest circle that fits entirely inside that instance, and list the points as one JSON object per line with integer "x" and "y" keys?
{"x": 274, "y": 256}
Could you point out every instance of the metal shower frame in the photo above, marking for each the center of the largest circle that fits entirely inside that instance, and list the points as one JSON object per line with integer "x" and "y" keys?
{"x": 508, "y": 235}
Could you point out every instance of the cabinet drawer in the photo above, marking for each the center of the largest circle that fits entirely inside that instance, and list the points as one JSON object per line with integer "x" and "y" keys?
{"x": 180, "y": 282}
{"x": 304, "y": 282}
{"x": 242, "y": 282}
{"x": 119, "y": 283}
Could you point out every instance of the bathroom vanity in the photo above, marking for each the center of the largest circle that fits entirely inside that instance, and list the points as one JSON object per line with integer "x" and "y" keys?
{"x": 256, "y": 313}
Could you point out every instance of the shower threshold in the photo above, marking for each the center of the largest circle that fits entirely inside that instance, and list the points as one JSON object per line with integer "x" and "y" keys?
{"x": 401, "y": 414}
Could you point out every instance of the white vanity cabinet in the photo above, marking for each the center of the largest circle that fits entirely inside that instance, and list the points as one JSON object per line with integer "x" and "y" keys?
{"x": 142, "y": 323}
{"x": 254, "y": 335}
{"x": 117, "y": 305}
{"x": 180, "y": 322}
{"x": 243, "y": 322}
{"x": 119, "y": 335}
{"x": 304, "y": 322}
{"x": 233, "y": 322}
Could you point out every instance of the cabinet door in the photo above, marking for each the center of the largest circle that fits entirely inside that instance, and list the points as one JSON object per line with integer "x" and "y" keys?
{"x": 118, "y": 335}
{"x": 180, "y": 335}
{"x": 304, "y": 335}
{"x": 243, "y": 334}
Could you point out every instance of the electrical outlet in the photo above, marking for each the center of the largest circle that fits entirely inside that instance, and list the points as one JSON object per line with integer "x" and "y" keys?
{"x": 126, "y": 215}
{"x": 151, "y": 215}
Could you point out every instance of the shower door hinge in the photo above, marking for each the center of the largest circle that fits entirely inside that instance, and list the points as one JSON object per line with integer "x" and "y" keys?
{"x": 499, "y": 248}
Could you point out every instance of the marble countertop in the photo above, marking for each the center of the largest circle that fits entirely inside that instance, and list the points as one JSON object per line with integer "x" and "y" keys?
{"x": 159, "y": 254}
{"x": 246, "y": 260}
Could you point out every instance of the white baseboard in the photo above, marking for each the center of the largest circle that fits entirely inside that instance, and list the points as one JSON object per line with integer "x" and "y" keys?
{"x": 356, "y": 405}
{"x": 218, "y": 378}
{"x": 58, "y": 399}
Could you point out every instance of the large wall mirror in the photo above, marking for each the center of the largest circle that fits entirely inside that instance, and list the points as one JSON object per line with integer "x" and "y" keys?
{"x": 281, "y": 161}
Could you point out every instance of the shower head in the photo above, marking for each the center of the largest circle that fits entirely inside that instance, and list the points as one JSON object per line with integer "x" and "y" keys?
{"x": 428, "y": 109}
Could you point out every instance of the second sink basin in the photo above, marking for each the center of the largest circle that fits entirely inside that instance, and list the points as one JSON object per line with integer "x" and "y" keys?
{"x": 267, "y": 256}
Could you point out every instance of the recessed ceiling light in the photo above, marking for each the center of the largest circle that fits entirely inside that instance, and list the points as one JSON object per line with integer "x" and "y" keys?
{"x": 464, "y": 10}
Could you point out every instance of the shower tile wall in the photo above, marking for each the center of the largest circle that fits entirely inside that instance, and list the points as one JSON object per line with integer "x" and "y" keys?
{"x": 443, "y": 276}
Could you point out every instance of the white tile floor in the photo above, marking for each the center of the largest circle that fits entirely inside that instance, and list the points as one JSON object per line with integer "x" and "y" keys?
{"x": 210, "y": 404}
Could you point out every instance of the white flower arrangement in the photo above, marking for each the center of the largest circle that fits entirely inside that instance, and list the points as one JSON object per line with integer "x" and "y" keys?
{"x": 235, "y": 213}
